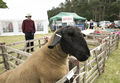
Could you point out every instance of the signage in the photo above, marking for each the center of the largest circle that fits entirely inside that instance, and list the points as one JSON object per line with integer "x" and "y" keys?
{"x": 66, "y": 19}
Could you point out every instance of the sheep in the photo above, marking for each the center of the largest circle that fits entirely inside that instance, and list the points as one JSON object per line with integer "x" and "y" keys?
{"x": 4, "y": 76}
{"x": 49, "y": 63}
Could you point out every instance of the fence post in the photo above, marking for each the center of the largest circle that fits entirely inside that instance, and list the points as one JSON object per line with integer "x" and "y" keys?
{"x": 79, "y": 72}
{"x": 25, "y": 47}
{"x": 117, "y": 42}
{"x": 39, "y": 43}
{"x": 72, "y": 63}
{"x": 97, "y": 61}
{"x": 85, "y": 69}
{"x": 5, "y": 57}
{"x": 109, "y": 46}
{"x": 18, "y": 56}
{"x": 104, "y": 57}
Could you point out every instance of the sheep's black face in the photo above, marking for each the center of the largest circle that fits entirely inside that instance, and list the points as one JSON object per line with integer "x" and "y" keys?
{"x": 72, "y": 42}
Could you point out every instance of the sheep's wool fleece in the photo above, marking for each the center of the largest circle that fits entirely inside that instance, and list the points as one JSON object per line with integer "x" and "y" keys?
{"x": 43, "y": 66}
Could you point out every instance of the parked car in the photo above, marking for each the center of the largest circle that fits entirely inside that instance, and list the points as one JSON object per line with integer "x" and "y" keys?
{"x": 116, "y": 26}
{"x": 108, "y": 24}
{"x": 117, "y": 23}
{"x": 103, "y": 23}
{"x": 112, "y": 25}
{"x": 98, "y": 24}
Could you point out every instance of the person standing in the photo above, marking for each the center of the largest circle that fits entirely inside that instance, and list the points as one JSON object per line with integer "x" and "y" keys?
{"x": 54, "y": 27}
{"x": 91, "y": 24}
{"x": 28, "y": 27}
{"x": 85, "y": 25}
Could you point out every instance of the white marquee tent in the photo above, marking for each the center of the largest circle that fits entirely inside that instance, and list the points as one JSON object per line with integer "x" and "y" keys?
{"x": 11, "y": 21}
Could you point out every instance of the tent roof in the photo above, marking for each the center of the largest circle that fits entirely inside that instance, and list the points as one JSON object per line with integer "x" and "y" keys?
{"x": 19, "y": 14}
{"x": 59, "y": 16}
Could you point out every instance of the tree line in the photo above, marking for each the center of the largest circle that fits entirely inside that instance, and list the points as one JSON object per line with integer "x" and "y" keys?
{"x": 97, "y": 10}
{"x": 3, "y": 4}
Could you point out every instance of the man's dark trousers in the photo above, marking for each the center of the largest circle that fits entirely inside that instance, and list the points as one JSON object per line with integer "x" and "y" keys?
{"x": 29, "y": 36}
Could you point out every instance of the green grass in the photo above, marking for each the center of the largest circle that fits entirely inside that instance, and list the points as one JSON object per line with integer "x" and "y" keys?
{"x": 12, "y": 39}
{"x": 112, "y": 69}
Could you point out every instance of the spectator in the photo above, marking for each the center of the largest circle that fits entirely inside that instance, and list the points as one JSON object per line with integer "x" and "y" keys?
{"x": 91, "y": 24}
{"x": 28, "y": 27}
{"x": 54, "y": 27}
{"x": 85, "y": 25}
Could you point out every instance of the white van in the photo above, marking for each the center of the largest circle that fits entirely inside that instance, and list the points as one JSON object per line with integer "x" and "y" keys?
{"x": 103, "y": 23}
{"x": 117, "y": 23}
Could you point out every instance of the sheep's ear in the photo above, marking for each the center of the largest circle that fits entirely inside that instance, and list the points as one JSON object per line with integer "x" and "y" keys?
{"x": 56, "y": 39}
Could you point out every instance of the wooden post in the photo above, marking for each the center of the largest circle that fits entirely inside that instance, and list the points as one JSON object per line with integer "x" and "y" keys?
{"x": 5, "y": 57}
{"x": 18, "y": 56}
{"x": 39, "y": 43}
{"x": 25, "y": 47}
{"x": 85, "y": 69}
{"x": 28, "y": 42}
{"x": 98, "y": 66}
{"x": 104, "y": 56}
{"x": 72, "y": 63}
{"x": 117, "y": 41}
{"x": 109, "y": 46}
{"x": 79, "y": 72}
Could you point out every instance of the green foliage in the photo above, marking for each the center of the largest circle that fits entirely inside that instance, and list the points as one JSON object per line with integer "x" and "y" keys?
{"x": 3, "y": 4}
{"x": 98, "y": 10}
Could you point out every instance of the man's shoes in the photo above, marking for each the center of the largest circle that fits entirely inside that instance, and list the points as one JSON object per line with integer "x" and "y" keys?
{"x": 27, "y": 50}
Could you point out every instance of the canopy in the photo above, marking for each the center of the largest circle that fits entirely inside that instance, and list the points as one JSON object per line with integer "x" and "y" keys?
{"x": 59, "y": 16}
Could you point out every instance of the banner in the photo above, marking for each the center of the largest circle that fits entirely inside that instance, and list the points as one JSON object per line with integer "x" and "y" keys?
{"x": 66, "y": 19}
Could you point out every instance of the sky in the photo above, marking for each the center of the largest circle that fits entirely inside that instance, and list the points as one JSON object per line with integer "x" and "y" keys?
{"x": 33, "y": 4}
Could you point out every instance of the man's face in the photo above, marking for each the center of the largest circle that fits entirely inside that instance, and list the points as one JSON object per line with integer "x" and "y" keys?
{"x": 29, "y": 17}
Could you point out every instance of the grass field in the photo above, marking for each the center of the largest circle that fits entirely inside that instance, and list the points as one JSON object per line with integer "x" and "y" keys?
{"x": 112, "y": 67}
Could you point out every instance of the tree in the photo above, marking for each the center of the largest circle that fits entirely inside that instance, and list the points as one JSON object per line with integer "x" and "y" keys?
{"x": 116, "y": 16}
{"x": 98, "y": 10}
{"x": 68, "y": 6}
{"x": 62, "y": 6}
{"x": 116, "y": 7}
{"x": 3, "y": 4}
